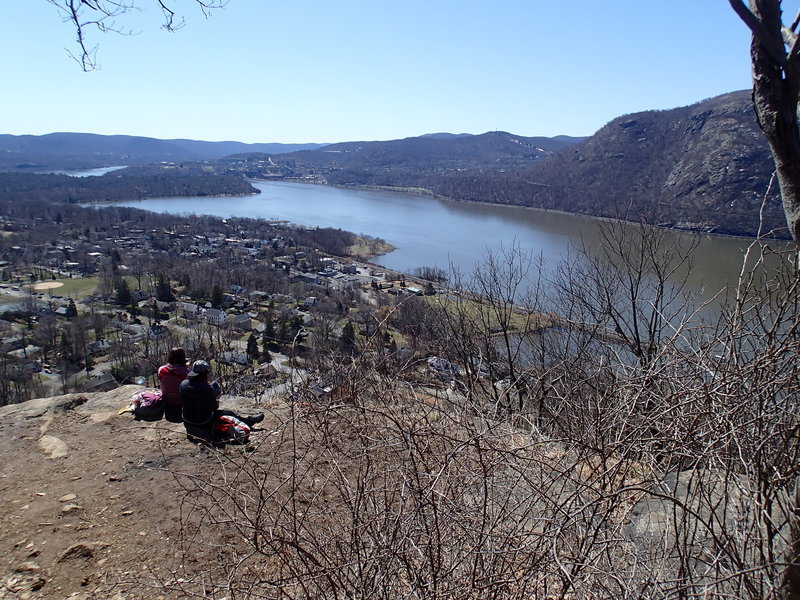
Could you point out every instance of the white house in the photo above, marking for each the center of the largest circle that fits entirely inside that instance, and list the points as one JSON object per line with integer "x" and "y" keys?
{"x": 215, "y": 316}
{"x": 188, "y": 308}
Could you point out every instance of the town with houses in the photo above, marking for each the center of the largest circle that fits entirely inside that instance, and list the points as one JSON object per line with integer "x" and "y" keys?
{"x": 88, "y": 304}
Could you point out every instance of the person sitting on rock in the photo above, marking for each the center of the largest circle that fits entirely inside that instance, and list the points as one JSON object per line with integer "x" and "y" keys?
{"x": 202, "y": 417}
{"x": 170, "y": 377}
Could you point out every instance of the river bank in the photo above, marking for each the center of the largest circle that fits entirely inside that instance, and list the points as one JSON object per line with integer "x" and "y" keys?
{"x": 426, "y": 193}
{"x": 367, "y": 248}
{"x": 424, "y": 231}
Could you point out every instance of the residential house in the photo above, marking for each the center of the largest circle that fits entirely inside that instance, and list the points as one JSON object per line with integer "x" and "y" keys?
{"x": 187, "y": 309}
{"x": 165, "y": 306}
{"x": 25, "y": 352}
{"x": 268, "y": 371}
{"x": 12, "y": 343}
{"x": 242, "y": 322}
{"x": 312, "y": 278}
{"x": 156, "y": 331}
{"x": 443, "y": 367}
{"x": 215, "y": 316}
{"x": 234, "y": 357}
{"x": 99, "y": 346}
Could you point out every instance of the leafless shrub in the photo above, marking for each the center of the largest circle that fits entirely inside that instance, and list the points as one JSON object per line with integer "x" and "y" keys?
{"x": 656, "y": 463}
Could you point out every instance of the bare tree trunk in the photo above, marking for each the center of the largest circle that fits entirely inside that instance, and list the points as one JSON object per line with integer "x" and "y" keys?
{"x": 791, "y": 577}
{"x": 775, "y": 56}
{"x": 775, "y": 102}
{"x": 776, "y": 85}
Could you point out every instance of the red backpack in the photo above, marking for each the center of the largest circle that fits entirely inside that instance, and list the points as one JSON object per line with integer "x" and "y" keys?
{"x": 231, "y": 430}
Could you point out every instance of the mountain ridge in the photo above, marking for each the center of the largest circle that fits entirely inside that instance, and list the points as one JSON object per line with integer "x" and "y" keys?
{"x": 408, "y": 162}
{"x": 703, "y": 167}
{"x": 88, "y": 150}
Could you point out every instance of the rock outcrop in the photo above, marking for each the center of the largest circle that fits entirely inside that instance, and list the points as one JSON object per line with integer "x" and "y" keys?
{"x": 91, "y": 503}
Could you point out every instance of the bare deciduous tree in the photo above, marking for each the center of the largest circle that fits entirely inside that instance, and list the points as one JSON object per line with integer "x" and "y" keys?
{"x": 631, "y": 288}
{"x": 105, "y": 15}
{"x": 775, "y": 57}
{"x": 671, "y": 473}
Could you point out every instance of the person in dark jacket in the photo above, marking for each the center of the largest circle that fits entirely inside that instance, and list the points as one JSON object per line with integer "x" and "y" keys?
{"x": 200, "y": 400}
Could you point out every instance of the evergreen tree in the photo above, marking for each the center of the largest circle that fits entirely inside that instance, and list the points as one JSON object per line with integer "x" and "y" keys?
{"x": 269, "y": 329}
{"x": 283, "y": 332}
{"x": 72, "y": 310}
{"x": 295, "y": 325}
{"x": 252, "y": 347}
{"x": 116, "y": 258}
{"x": 123, "y": 292}
{"x": 217, "y": 298}
{"x": 65, "y": 348}
{"x": 163, "y": 289}
{"x": 347, "y": 340}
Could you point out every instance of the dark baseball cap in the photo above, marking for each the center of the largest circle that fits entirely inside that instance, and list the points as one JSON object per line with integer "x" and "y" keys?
{"x": 199, "y": 366}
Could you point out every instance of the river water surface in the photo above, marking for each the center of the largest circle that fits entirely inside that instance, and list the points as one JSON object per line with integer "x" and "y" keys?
{"x": 434, "y": 232}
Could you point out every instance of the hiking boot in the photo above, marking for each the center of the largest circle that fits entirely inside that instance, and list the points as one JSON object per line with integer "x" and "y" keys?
{"x": 250, "y": 421}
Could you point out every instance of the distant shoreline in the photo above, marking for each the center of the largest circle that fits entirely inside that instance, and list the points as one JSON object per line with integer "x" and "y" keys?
{"x": 429, "y": 194}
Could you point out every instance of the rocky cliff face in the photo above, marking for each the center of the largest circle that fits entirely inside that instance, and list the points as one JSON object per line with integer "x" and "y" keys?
{"x": 704, "y": 167}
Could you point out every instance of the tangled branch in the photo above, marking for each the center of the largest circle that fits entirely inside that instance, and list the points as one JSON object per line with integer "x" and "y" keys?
{"x": 104, "y": 15}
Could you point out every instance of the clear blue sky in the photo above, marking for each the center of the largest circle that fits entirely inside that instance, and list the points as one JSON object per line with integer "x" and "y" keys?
{"x": 324, "y": 71}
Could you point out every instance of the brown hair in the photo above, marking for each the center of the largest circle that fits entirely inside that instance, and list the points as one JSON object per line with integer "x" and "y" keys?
{"x": 177, "y": 356}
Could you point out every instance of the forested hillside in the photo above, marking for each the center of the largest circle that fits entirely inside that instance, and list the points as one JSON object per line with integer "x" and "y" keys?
{"x": 126, "y": 184}
{"x": 410, "y": 162}
{"x": 704, "y": 167}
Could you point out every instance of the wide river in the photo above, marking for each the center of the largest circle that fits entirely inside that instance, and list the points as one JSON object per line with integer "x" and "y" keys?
{"x": 438, "y": 233}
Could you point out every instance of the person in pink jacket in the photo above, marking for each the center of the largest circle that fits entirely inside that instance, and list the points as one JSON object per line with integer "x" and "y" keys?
{"x": 170, "y": 376}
